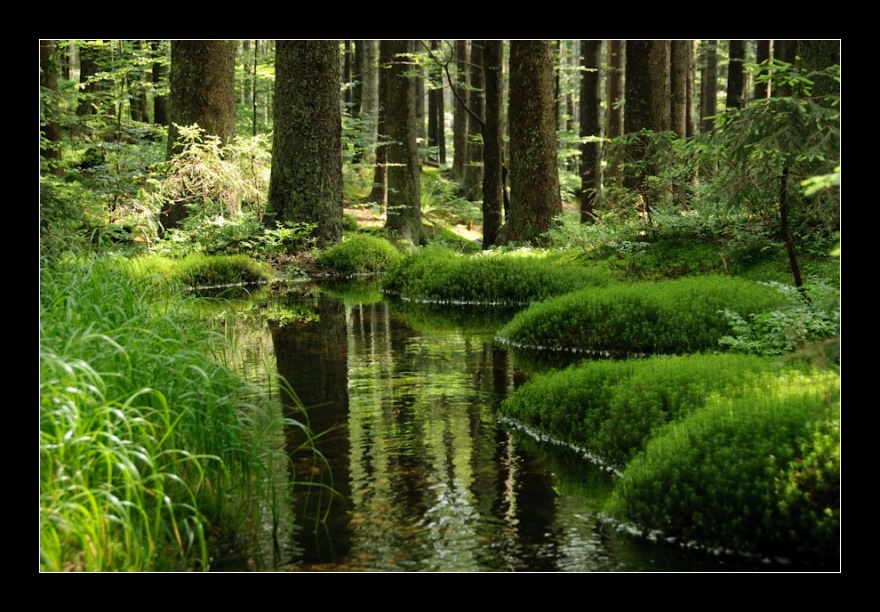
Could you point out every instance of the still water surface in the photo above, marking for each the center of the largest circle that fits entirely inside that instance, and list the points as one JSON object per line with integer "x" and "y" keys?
{"x": 429, "y": 477}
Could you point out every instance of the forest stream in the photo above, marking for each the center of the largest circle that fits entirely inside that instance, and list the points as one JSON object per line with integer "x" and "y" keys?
{"x": 428, "y": 476}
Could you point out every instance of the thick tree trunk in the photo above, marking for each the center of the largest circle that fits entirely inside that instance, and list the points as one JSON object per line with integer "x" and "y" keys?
{"x": 306, "y": 181}
{"x": 404, "y": 199}
{"x": 202, "y": 82}
{"x": 534, "y": 175}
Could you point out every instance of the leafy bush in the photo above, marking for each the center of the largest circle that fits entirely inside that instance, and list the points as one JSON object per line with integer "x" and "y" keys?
{"x": 359, "y": 255}
{"x": 807, "y": 317}
{"x": 757, "y": 474}
{"x": 511, "y": 277}
{"x": 611, "y": 408}
{"x": 243, "y": 233}
{"x": 669, "y": 317}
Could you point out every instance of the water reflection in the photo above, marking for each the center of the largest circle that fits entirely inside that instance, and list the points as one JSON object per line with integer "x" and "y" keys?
{"x": 427, "y": 478}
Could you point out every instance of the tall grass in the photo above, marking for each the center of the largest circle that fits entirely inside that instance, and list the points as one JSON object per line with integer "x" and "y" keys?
{"x": 143, "y": 444}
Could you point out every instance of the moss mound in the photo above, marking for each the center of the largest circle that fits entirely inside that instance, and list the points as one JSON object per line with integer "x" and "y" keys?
{"x": 669, "y": 317}
{"x": 357, "y": 255}
{"x": 757, "y": 474}
{"x": 437, "y": 275}
{"x": 611, "y": 408}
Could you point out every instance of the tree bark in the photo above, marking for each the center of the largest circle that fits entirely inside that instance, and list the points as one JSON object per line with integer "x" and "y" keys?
{"x": 590, "y": 127}
{"x": 534, "y": 175}
{"x": 460, "y": 118}
{"x": 202, "y": 83}
{"x": 306, "y": 181}
{"x": 50, "y": 151}
{"x": 160, "y": 74}
{"x": 379, "y": 193}
{"x": 735, "y": 75}
{"x": 762, "y": 90}
{"x": 472, "y": 183}
{"x": 681, "y": 65}
{"x": 493, "y": 186}
{"x": 404, "y": 199}
{"x": 709, "y": 86}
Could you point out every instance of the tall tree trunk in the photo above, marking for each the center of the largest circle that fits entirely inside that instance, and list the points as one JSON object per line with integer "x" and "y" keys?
{"x": 368, "y": 61}
{"x": 735, "y": 75}
{"x": 590, "y": 193}
{"x": 436, "y": 137}
{"x": 709, "y": 85}
{"x": 473, "y": 173}
{"x": 306, "y": 181}
{"x": 357, "y": 87}
{"x": 647, "y": 107}
{"x": 91, "y": 58}
{"x": 615, "y": 54}
{"x": 404, "y": 199}
{"x": 202, "y": 85}
{"x": 534, "y": 174}
{"x": 786, "y": 51}
{"x": 50, "y": 150}
{"x": 614, "y": 89}
{"x": 681, "y": 64}
{"x": 692, "y": 89}
{"x": 460, "y": 118}
{"x": 160, "y": 75}
{"x": 348, "y": 77}
{"x": 493, "y": 186}
{"x": 762, "y": 54}
{"x": 379, "y": 193}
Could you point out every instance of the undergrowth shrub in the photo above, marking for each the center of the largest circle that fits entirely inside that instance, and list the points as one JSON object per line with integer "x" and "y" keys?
{"x": 756, "y": 474}
{"x": 808, "y": 317}
{"x": 438, "y": 275}
{"x": 611, "y": 408}
{"x": 668, "y": 317}
{"x": 359, "y": 254}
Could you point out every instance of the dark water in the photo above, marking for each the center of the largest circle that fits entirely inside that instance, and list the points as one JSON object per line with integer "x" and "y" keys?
{"x": 427, "y": 476}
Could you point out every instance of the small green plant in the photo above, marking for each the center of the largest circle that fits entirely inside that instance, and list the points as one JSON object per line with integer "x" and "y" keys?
{"x": 809, "y": 316}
